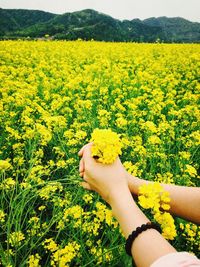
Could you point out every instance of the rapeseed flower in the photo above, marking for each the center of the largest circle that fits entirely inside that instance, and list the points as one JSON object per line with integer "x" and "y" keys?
{"x": 152, "y": 196}
{"x": 16, "y": 238}
{"x": 191, "y": 170}
{"x": 34, "y": 260}
{"x": 63, "y": 257}
{"x": 50, "y": 244}
{"x": 106, "y": 145}
{"x": 4, "y": 165}
{"x": 7, "y": 184}
{"x": 2, "y": 216}
{"x": 53, "y": 94}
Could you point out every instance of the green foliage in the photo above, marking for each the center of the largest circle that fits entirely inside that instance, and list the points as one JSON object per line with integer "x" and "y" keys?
{"x": 89, "y": 24}
{"x": 176, "y": 29}
{"x": 53, "y": 95}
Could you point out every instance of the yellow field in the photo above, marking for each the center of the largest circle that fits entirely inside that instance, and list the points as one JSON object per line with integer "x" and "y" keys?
{"x": 52, "y": 96}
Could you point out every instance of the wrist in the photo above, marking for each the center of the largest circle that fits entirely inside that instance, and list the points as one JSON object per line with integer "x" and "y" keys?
{"x": 134, "y": 183}
{"x": 118, "y": 195}
{"x": 126, "y": 211}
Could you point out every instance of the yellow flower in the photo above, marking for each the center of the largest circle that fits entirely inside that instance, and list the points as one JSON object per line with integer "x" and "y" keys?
{"x": 62, "y": 257}
{"x": 103, "y": 117}
{"x": 152, "y": 196}
{"x": 150, "y": 126}
{"x": 75, "y": 211}
{"x": 4, "y": 165}
{"x": 154, "y": 140}
{"x": 34, "y": 260}
{"x": 191, "y": 170}
{"x": 106, "y": 145}
{"x": 34, "y": 225}
{"x": 7, "y": 184}
{"x": 2, "y": 216}
{"x": 87, "y": 198}
{"x": 50, "y": 245}
{"x": 185, "y": 155}
{"x": 52, "y": 95}
{"x": 15, "y": 238}
{"x": 121, "y": 122}
{"x": 49, "y": 190}
{"x": 45, "y": 134}
{"x": 42, "y": 208}
{"x": 165, "y": 178}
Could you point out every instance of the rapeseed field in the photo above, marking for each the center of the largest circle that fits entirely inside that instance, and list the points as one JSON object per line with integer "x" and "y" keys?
{"x": 53, "y": 95}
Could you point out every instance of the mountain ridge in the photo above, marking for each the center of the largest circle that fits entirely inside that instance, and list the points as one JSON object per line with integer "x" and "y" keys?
{"x": 89, "y": 24}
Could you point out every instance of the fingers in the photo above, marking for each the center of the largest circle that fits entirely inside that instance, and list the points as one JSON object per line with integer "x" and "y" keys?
{"x": 85, "y": 184}
{"x": 80, "y": 153}
{"x": 85, "y": 178}
{"x": 81, "y": 163}
{"x": 87, "y": 155}
{"x": 81, "y": 166}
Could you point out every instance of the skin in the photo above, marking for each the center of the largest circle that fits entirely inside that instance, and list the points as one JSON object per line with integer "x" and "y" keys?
{"x": 184, "y": 201}
{"x": 111, "y": 182}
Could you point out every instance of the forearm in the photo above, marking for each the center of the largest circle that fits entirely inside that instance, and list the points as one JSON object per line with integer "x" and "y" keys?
{"x": 184, "y": 201}
{"x": 147, "y": 243}
{"x": 126, "y": 211}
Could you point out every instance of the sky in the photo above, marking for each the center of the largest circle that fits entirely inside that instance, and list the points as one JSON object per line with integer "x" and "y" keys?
{"x": 119, "y": 9}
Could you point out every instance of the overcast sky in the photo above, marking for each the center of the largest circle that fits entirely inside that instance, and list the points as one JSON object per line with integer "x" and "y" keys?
{"x": 120, "y": 9}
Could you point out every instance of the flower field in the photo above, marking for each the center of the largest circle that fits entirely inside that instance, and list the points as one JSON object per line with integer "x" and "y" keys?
{"x": 52, "y": 97}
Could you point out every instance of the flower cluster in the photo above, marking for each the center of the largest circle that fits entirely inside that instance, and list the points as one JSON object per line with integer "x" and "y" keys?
{"x": 191, "y": 233}
{"x": 106, "y": 145}
{"x": 16, "y": 238}
{"x": 152, "y": 196}
{"x": 34, "y": 260}
{"x": 2, "y": 216}
{"x": 53, "y": 96}
{"x": 4, "y": 165}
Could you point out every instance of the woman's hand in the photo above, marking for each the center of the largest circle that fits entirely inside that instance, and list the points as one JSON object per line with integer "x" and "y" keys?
{"x": 107, "y": 180}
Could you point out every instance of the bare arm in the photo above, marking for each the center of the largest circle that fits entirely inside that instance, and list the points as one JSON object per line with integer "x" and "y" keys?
{"x": 147, "y": 243}
{"x": 185, "y": 201}
{"x": 111, "y": 183}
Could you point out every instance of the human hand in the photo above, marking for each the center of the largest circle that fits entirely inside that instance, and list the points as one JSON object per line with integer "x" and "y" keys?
{"x": 107, "y": 180}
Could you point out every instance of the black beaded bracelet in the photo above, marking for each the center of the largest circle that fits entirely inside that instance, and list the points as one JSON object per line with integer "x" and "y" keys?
{"x": 139, "y": 230}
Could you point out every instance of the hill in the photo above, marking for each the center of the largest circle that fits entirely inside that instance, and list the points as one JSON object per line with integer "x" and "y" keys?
{"x": 12, "y": 20}
{"x": 89, "y": 24}
{"x": 176, "y": 29}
